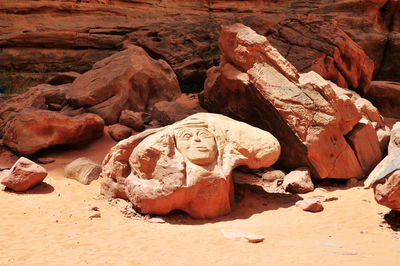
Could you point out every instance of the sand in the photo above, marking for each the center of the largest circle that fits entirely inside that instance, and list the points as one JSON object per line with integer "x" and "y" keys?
{"x": 51, "y": 225}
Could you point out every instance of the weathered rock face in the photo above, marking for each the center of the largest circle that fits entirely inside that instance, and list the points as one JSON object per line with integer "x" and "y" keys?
{"x": 130, "y": 79}
{"x": 385, "y": 178}
{"x": 312, "y": 43}
{"x": 35, "y": 129}
{"x": 369, "y": 113}
{"x": 65, "y": 35}
{"x": 187, "y": 165}
{"x": 23, "y": 175}
{"x": 386, "y": 96}
{"x": 254, "y": 83}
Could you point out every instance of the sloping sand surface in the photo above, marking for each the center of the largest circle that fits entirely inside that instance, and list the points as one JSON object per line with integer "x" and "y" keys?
{"x": 51, "y": 225}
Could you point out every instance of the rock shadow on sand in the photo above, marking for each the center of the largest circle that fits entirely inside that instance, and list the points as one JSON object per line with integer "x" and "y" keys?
{"x": 249, "y": 200}
{"x": 41, "y": 188}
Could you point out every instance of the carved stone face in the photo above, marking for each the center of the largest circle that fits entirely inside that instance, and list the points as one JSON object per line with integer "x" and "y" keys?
{"x": 197, "y": 145}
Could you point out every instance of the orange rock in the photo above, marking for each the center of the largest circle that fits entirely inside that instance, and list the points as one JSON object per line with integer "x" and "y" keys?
{"x": 130, "y": 79}
{"x": 184, "y": 33}
{"x": 35, "y": 129}
{"x": 23, "y": 175}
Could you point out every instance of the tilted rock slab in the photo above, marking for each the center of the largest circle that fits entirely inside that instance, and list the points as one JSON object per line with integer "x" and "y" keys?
{"x": 187, "y": 165}
{"x": 23, "y": 175}
{"x": 256, "y": 84}
{"x": 130, "y": 79}
{"x": 35, "y": 129}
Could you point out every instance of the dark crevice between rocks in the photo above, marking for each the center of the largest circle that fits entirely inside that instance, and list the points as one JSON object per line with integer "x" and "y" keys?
{"x": 387, "y": 13}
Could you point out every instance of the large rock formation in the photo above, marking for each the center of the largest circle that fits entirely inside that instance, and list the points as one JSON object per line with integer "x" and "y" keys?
{"x": 130, "y": 79}
{"x": 254, "y": 83}
{"x": 65, "y": 35}
{"x": 35, "y": 129}
{"x": 187, "y": 165}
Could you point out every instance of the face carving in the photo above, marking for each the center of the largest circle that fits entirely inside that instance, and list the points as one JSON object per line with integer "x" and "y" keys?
{"x": 196, "y": 144}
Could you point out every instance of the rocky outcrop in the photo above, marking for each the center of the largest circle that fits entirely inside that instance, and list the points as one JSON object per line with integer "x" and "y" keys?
{"x": 385, "y": 95}
{"x": 23, "y": 175}
{"x": 187, "y": 165}
{"x": 130, "y": 79}
{"x": 254, "y": 83}
{"x": 312, "y": 43}
{"x": 64, "y": 35}
{"x": 35, "y": 129}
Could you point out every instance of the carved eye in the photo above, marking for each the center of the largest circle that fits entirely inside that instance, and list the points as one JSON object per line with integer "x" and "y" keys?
{"x": 186, "y": 136}
{"x": 204, "y": 135}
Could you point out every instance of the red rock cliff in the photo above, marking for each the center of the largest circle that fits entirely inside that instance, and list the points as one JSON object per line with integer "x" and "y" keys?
{"x": 63, "y": 35}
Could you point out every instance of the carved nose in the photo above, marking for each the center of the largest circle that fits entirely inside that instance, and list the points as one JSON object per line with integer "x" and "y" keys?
{"x": 196, "y": 138}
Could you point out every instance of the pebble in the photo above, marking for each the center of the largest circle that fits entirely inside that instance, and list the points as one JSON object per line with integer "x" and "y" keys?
{"x": 156, "y": 220}
{"x": 310, "y": 204}
{"x": 95, "y": 215}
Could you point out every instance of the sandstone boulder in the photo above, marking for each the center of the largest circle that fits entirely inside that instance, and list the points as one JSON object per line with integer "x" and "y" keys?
{"x": 82, "y": 170}
{"x": 254, "y": 83}
{"x": 312, "y": 43}
{"x": 298, "y": 181}
{"x": 35, "y": 129}
{"x": 23, "y": 175}
{"x": 130, "y": 79}
{"x": 119, "y": 132}
{"x": 385, "y": 95}
{"x": 187, "y": 165}
{"x": 132, "y": 119}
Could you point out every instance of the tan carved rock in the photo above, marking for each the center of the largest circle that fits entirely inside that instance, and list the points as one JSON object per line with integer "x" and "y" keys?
{"x": 187, "y": 165}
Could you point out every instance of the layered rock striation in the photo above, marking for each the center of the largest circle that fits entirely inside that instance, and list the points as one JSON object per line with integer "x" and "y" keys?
{"x": 65, "y": 35}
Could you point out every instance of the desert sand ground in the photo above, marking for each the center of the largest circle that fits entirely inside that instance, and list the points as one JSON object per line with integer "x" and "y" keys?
{"x": 51, "y": 225}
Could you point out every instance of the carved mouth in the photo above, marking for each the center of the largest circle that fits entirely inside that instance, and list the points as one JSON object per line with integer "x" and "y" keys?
{"x": 201, "y": 148}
